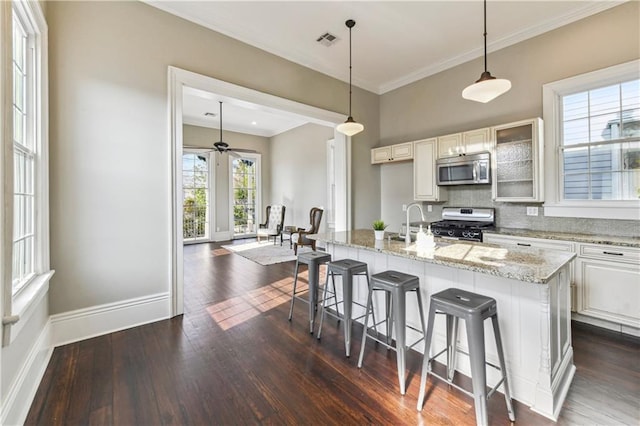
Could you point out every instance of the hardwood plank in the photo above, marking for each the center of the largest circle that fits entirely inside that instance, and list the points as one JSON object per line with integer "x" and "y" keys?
{"x": 234, "y": 358}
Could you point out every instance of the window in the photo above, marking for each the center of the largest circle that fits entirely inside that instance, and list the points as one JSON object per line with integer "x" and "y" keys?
{"x": 27, "y": 207}
{"x": 23, "y": 158}
{"x": 599, "y": 147}
{"x": 195, "y": 189}
{"x": 593, "y": 144}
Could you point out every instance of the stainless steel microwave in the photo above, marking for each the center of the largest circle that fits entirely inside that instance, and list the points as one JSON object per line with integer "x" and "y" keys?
{"x": 472, "y": 169}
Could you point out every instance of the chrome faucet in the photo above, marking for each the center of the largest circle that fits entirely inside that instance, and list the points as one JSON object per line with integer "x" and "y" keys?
{"x": 407, "y": 237}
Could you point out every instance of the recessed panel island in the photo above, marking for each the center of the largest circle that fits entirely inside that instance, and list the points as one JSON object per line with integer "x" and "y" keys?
{"x": 531, "y": 287}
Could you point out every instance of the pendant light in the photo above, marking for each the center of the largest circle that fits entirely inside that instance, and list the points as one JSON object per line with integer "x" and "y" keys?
{"x": 350, "y": 127}
{"x": 487, "y": 87}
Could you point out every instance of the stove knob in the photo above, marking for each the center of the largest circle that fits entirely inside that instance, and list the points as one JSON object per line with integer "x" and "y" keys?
{"x": 436, "y": 231}
{"x": 466, "y": 234}
{"x": 451, "y": 232}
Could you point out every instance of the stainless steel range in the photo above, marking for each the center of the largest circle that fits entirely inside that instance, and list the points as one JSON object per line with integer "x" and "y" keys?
{"x": 464, "y": 223}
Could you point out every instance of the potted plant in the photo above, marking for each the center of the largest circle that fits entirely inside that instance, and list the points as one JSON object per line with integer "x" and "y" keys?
{"x": 378, "y": 229}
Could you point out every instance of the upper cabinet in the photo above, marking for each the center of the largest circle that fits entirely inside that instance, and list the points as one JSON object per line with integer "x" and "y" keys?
{"x": 424, "y": 172}
{"x": 387, "y": 154}
{"x": 464, "y": 143}
{"x": 517, "y": 162}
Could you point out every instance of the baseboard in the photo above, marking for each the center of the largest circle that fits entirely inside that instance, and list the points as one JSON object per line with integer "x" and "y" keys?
{"x": 81, "y": 324}
{"x": 17, "y": 402}
{"x": 620, "y": 328}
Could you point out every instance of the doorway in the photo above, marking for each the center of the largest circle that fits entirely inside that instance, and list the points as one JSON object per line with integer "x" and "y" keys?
{"x": 178, "y": 79}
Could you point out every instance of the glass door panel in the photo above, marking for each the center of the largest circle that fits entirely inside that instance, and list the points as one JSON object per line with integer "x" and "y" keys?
{"x": 195, "y": 201}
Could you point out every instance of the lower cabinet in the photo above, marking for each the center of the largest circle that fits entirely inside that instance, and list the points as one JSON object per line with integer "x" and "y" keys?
{"x": 608, "y": 283}
{"x": 540, "y": 243}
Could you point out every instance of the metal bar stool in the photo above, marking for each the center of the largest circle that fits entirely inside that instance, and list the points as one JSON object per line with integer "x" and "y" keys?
{"x": 473, "y": 309}
{"x": 347, "y": 268}
{"x": 396, "y": 285}
{"x": 313, "y": 260}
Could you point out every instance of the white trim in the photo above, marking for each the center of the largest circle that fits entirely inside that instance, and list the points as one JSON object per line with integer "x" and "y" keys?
{"x": 24, "y": 304}
{"x": 19, "y": 397}
{"x": 177, "y": 79}
{"x": 551, "y": 98}
{"x": 81, "y": 324}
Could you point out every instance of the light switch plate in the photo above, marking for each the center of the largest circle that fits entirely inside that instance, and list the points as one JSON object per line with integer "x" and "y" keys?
{"x": 404, "y": 207}
{"x": 532, "y": 211}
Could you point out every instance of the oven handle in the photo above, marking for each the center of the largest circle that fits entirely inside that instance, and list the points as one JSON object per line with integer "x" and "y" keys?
{"x": 476, "y": 165}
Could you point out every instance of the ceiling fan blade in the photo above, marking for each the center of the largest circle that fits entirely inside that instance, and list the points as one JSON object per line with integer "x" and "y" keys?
{"x": 231, "y": 153}
{"x": 252, "y": 151}
{"x": 198, "y": 148}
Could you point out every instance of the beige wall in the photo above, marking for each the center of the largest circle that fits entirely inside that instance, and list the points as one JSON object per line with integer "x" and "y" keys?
{"x": 205, "y": 137}
{"x": 110, "y": 156}
{"x": 299, "y": 172}
{"x": 434, "y": 106}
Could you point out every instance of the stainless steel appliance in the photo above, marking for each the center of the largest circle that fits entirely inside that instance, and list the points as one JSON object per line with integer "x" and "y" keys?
{"x": 472, "y": 169}
{"x": 464, "y": 223}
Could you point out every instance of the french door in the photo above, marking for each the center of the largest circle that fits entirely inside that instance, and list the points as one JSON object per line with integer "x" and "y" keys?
{"x": 245, "y": 193}
{"x": 196, "y": 196}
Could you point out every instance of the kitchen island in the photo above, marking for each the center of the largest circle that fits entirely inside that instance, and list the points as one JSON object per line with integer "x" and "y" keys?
{"x": 531, "y": 287}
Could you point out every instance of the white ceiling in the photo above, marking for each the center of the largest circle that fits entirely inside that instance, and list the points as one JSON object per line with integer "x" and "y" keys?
{"x": 394, "y": 42}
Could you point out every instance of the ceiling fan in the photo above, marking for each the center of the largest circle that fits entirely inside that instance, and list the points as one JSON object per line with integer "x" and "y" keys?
{"x": 222, "y": 146}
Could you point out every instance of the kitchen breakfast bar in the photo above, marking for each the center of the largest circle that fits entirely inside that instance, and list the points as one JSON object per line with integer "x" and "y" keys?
{"x": 531, "y": 287}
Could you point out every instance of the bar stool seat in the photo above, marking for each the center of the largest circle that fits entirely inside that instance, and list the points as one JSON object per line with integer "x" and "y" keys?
{"x": 347, "y": 269}
{"x": 396, "y": 285}
{"x": 313, "y": 260}
{"x": 473, "y": 309}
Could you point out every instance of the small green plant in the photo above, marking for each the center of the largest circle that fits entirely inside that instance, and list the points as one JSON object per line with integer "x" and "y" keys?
{"x": 378, "y": 225}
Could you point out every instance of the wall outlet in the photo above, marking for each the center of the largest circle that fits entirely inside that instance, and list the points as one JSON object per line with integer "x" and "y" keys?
{"x": 404, "y": 207}
{"x": 532, "y": 211}
{"x": 429, "y": 208}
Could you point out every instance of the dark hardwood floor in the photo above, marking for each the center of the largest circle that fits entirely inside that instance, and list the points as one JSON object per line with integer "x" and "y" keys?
{"x": 233, "y": 358}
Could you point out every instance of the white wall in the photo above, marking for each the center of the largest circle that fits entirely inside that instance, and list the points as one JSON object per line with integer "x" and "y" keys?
{"x": 299, "y": 172}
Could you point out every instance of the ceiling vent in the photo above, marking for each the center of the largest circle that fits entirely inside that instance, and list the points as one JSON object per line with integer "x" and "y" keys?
{"x": 327, "y": 39}
{"x": 210, "y": 114}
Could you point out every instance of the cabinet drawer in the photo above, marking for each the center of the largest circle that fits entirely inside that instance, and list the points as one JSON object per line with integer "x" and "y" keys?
{"x": 528, "y": 242}
{"x": 613, "y": 253}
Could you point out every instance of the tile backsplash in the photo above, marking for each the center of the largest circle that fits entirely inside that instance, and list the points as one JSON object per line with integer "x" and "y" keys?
{"x": 514, "y": 215}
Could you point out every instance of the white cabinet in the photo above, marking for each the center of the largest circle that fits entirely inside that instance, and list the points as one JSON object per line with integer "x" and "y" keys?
{"x": 477, "y": 140}
{"x": 464, "y": 143}
{"x": 608, "y": 283}
{"x": 517, "y": 162}
{"x": 449, "y": 145}
{"x": 388, "y": 154}
{"x": 424, "y": 173}
{"x": 541, "y": 243}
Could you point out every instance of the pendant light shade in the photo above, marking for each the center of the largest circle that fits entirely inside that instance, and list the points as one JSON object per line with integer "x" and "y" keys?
{"x": 350, "y": 127}
{"x": 487, "y": 87}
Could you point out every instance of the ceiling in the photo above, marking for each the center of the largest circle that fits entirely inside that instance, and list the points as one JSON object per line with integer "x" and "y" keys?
{"x": 394, "y": 42}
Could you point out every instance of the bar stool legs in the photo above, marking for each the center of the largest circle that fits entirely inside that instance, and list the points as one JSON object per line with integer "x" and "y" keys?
{"x": 347, "y": 269}
{"x": 396, "y": 285}
{"x": 313, "y": 260}
{"x": 474, "y": 309}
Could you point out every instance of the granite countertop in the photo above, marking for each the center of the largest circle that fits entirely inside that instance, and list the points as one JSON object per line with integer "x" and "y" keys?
{"x": 565, "y": 236}
{"x": 524, "y": 264}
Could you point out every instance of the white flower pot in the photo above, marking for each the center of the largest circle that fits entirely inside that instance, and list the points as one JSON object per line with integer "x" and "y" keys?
{"x": 379, "y": 234}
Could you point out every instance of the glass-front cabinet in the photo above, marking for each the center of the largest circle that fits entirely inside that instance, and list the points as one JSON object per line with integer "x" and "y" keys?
{"x": 517, "y": 161}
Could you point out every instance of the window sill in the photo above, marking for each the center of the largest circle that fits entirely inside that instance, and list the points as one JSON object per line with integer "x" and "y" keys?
{"x": 24, "y": 304}
{"x": 606, "y": 210}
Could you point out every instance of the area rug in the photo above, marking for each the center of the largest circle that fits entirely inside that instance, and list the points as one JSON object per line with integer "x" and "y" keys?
{"x": 265, "y": 253}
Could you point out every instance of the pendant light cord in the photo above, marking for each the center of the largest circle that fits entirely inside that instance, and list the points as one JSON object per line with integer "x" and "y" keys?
{"x": 485, "y": 35}
{"x": 350, "y": 27}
